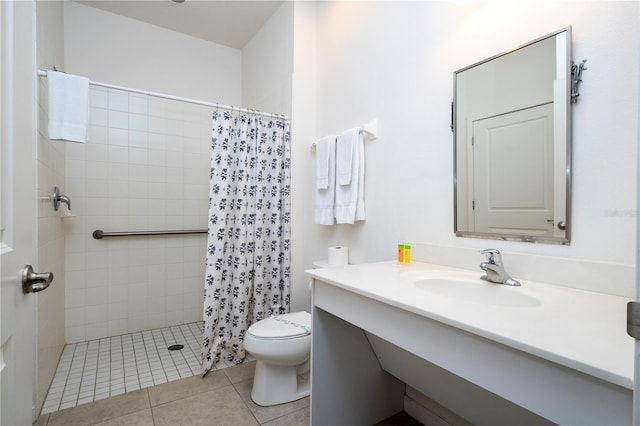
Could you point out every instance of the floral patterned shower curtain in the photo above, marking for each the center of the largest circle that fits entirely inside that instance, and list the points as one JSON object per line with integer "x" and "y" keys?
{"x": 248, "y": 262}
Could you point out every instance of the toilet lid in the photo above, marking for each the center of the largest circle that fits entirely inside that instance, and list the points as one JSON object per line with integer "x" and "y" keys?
{"x": 285, "y": 326}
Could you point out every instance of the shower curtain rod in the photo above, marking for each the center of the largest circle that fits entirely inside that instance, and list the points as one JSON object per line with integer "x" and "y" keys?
{"x": 43, "y": 73}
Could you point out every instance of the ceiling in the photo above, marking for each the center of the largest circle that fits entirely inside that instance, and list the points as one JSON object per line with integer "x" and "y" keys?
{"x": 231, "y": 23}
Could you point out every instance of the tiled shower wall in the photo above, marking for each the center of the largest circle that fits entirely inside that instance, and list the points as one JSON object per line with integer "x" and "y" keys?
{"x": 144, "y": 167}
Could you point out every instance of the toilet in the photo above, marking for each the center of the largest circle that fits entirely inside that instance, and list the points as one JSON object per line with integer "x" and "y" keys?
{"x": 281, "y": 345}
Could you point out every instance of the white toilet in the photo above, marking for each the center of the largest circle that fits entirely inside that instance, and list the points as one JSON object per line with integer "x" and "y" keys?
{"x": 281, "y": 345}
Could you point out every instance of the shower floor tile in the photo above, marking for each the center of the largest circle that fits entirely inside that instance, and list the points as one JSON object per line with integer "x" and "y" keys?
{"x": 99, "y": 369}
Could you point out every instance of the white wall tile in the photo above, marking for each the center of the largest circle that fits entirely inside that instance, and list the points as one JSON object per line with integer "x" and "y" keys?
{"x": 98, "y": 135}
{"x": 96, "y": 298}
{"x": 97, "y": 169}
{"x": 138, "y": 104}
{"x": 118, "y": 101}
{"x": 75, "y": 298}
{"x": 97, "y": 187}
{"x": 118, "y": 154}
{"x": 138, "y": 138}
{"x": 117, "y": 276}
{"x": 157, "y": 141}
{"x": 98, "y": 97}
{"x": 96, "y": 330}
{"x": 97, "y": 205}
{"x": 76, "y": 151}
{"x": 119, "y": 120}
{"x": 118, "y": 171}
{"x": 138, "y": 156}
{"x": 157, "y": 157}
{"x": 117, "y": 294}
{"x": 98, "y": 117}
{"x": 138, "y": 122}
{"x": 157, "y": 107}
{"x": 157, "y": 174}
{"x": 76, "y": 168}
{"x": 157, "y": 125}
{"x": 118, "y": 136}
{"x": 96, "y": 152}
{"x": 75, "y": 316}
{"x": 138, "y": 207}
{"x": 75, "y": 333}
{"x": 137, "y": 172}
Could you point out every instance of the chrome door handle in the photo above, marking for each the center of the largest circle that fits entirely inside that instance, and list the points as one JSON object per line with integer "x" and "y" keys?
{"x": 562, "y": 225}
{"x": 33, "y": 282}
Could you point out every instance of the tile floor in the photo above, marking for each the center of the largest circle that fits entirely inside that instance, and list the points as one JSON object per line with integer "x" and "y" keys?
{"x": 99, "y": 369}
{"x": 222, "y": 397}
{"x": 133, "y": 380}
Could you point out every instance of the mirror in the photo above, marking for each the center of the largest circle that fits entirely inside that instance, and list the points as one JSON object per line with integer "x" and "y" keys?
{"x": 512, "y": 143}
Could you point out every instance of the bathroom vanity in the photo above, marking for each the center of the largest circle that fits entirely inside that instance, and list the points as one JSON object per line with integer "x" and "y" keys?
{"x": 491, "y": 353}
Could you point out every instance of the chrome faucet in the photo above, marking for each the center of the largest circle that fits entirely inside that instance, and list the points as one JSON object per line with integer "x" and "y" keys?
{"x": 494, "y": 269}
{"x": 58, "y": 198}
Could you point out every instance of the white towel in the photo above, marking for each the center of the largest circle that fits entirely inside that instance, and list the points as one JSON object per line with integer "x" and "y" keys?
{"x": 345, "y": 153}
{"x": 323, "y": 161}
{"x": 350, "y": 197}
{"x": 325, "y": 197}
{"x": 68, "y": 104}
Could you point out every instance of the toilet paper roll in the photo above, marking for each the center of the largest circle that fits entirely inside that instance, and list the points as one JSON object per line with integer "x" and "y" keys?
{"x": 338, "y": 256}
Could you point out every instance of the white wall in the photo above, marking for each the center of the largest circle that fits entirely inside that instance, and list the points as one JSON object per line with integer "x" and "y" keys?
{"x": 267, "y": 64}
{"x": 50, "y": 172}
{"x": 112, "y": 49}
{"x": 394, "y": 61}
{"x": 303, "y": 133}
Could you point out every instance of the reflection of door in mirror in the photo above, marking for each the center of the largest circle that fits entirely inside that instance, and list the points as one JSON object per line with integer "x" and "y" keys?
{"x": 512, "y": 133}
{"x": 512, "y": 160}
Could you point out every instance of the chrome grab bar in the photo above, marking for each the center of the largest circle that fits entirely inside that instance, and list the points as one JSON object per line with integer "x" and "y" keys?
{"x": 99, "y": 234}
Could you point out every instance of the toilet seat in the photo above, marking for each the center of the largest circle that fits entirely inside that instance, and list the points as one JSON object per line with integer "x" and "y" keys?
{"x": 278, "y": 327}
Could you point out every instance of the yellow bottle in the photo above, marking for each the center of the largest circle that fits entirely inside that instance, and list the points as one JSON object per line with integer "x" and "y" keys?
{"x": 407, "y": 254}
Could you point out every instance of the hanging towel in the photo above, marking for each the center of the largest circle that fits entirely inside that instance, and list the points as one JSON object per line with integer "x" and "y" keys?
{"x": 323, "y": 161}
{"x": 344, "y": 154}
{"x": 350, "y": 197}
{"x": 325, "y": 197}
{"x": 68, "y": 104}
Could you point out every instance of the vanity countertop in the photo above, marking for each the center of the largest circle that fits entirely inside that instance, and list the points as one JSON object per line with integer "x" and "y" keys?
{"x": 579, "y": 329}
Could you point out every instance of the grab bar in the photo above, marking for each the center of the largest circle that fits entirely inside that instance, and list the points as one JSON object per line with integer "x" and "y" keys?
{"x": 99, "y": 234}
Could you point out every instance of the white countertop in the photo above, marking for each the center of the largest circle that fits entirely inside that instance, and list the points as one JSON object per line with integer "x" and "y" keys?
{"x": 579, "y": 329}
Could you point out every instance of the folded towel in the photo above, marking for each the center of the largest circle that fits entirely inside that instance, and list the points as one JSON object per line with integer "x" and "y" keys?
{"x": 323, "y": 163}
{"x": 68, "y": 105}
{"x": 345, "y": 152}
{"x": 349, "y": 204}
{"x": 325, "y": 197}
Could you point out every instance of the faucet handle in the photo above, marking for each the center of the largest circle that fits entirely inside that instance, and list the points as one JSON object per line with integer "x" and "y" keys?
{"x": 493, "y": 255}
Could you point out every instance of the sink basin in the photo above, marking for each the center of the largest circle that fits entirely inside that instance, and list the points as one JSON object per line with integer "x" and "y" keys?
{"x": 464, "y": 287}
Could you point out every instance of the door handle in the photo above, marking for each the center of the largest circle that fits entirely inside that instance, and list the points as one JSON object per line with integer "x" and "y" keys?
{"x": 33, "y": 282}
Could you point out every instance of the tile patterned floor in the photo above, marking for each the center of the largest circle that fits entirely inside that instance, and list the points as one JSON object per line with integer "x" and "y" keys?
{"x": 99, "y": 369}
{"x": 222, "y": 397}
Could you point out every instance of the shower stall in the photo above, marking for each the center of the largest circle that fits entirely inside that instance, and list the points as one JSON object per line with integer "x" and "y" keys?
{"x": 145, "y": 167}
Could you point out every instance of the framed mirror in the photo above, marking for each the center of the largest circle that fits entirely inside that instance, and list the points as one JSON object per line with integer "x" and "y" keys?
{"x": 512, "y": 143}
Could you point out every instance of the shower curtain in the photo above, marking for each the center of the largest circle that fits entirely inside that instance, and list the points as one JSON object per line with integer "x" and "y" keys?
{"x": 248, "y": 262}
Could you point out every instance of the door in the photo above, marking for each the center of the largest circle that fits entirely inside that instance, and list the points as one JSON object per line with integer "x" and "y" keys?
{"x": 513, "y": 172}
{"x": 17, "y": 214}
